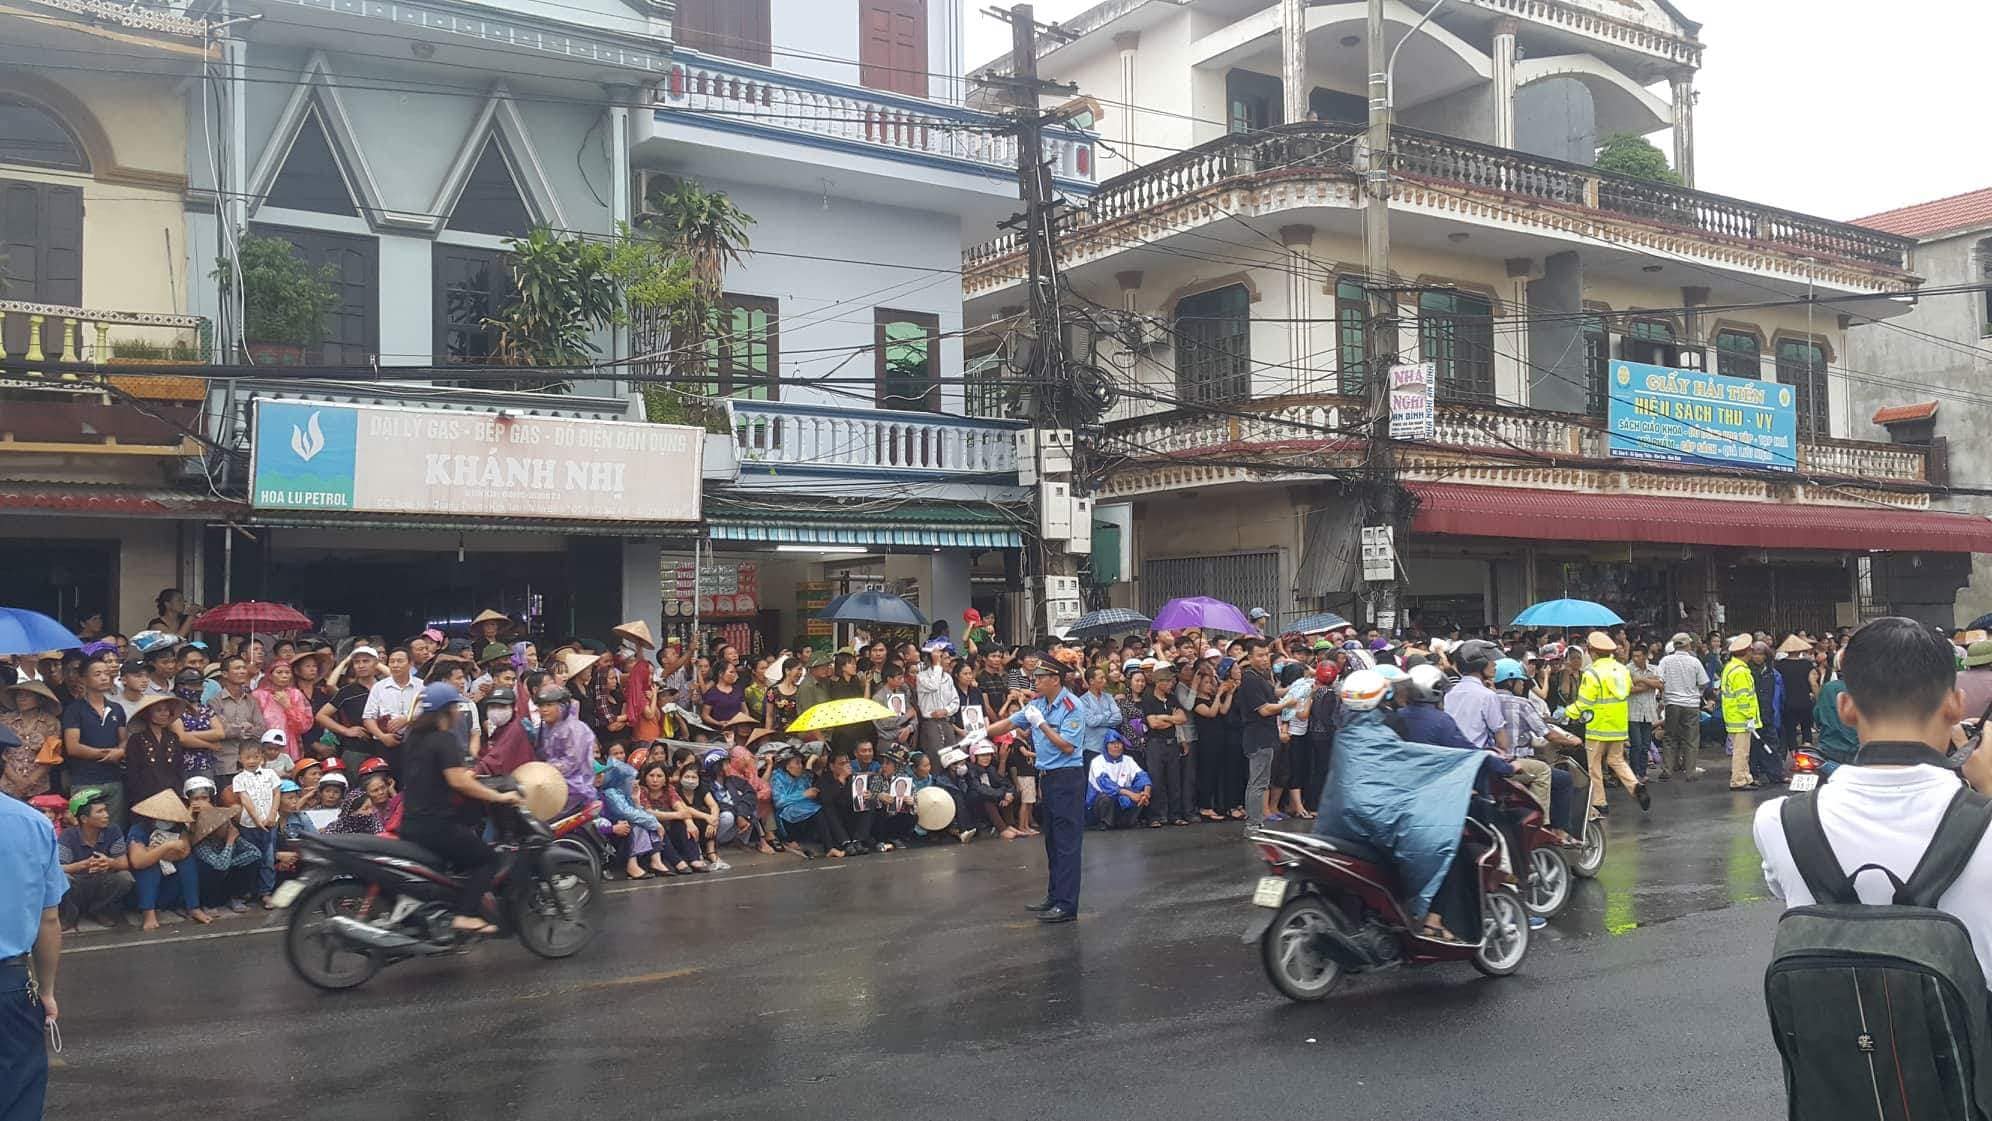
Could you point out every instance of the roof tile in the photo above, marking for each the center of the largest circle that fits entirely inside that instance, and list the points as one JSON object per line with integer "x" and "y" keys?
{"x": 1898, "y": 414}
{"x": 1938, "y": 216}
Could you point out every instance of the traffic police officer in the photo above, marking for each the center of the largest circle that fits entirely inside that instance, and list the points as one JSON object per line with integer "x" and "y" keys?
{"x": 1056, "y": 727}
{"x": 31, "y": 884}
{"x": 1603, "y": 700}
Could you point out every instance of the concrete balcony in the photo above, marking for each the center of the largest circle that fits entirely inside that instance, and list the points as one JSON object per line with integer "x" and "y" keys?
{"x": 1486, "y": 443}
{"x": 735, "y": 120}
{"x": 826, "y": 449}
{"x": 78, "y": 349}
{"x": 1444, "y": 187}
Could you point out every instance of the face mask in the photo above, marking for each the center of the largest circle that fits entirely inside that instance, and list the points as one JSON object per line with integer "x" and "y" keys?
{"x": 958, "y": 770}
{"x": 629, "y": 649}
{"x": 689, "y": 782}
{"x": 497, "y": 716}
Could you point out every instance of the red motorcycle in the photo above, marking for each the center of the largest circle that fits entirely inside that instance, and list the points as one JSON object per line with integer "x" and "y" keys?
{"x": 1545, "y": 868}
{"x": 1336, "y": 908}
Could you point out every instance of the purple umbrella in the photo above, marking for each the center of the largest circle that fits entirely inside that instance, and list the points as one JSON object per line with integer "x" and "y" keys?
{"x": 1205, "y": 612}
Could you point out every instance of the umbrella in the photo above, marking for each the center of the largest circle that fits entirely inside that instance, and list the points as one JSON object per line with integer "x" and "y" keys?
{"x": 251, "y": 616}
{"x": 1317, "y": 624}
{"x": 872, "y": 606}
{"x": 1107, "y": 622}
{"x": 836, "y": 714}
{"x": 1203, "y": 612}
{"x": 30, "y": 632}
{"x": 1567, "y": 613}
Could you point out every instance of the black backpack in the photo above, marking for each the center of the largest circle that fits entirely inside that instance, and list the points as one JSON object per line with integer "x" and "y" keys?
{"x": 1880, "y": 1012}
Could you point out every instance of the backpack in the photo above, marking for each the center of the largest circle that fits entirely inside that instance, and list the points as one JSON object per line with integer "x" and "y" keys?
{"x": 1881, "y": 1012}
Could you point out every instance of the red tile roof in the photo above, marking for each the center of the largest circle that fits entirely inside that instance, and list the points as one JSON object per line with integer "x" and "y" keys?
{"x": 1897, "y": 414}
{"x": 114, "y": 501}
{"x": 1468, "y": 510}
{"x": 1939, "y": 216}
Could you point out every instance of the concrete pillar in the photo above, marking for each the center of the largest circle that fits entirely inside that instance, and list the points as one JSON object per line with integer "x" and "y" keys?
{"x": 1293, "y": 58}
{"x": 1559, "y": 373}
{"x": 1684, "y": 125}
{"x": 643, "y": 584}
{"x": 1126, "y": 42}
{"x": 1504, "y": 83}
{"x": 621, "y": 210}
{"x": 1305, "y": 370}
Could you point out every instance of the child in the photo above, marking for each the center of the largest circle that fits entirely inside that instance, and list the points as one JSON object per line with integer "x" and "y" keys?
{"x": 292, "y": 824}
{"x": 231, "y": 863}
{"x": 254, "y": 789}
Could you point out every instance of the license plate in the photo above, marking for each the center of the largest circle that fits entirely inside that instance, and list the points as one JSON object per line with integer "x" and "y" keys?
{"x": 287, "y": 893}
{"x": 1802, "y": 783}
{"x": 1271, "y": 892}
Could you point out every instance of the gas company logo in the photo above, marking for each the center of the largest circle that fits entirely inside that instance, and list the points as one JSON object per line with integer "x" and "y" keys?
{"x": 305, "y": 456}
{"x": 1625, "y": 375}
{"x": 308, "y": 441}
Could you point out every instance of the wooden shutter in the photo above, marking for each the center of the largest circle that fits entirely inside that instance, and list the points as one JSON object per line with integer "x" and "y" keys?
{"x": 892, "y": 49}
{"x": 41, "y": 240}
{"x": 729, "y": 28}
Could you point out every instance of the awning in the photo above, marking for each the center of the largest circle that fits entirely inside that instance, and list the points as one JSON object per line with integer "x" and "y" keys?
{"x": 1465, "y": 510}
{"x": 965, "y": 526}
{"x": 110, "y": 500}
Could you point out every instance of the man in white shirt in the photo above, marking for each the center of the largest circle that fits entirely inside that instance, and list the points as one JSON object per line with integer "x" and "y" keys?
{"x": 1902, "y": 701}
{"x": 1683, "y": 683}
{"x": 391, "y": 702}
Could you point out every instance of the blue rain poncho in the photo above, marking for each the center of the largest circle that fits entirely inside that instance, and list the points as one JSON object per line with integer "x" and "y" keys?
{"x": 1408, "y": 799}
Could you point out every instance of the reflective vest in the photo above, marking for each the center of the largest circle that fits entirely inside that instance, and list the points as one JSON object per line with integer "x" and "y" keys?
{"x": 1602, "y": 697}
{"x": 1739, "y": 697}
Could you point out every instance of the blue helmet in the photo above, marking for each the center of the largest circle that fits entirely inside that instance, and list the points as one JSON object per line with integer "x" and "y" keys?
{"x": 439, "y": 695}
{"x": 1508, "y": 669}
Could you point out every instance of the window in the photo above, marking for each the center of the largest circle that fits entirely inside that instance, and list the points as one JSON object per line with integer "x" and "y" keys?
{"x": 471, "y": 286}
{"x": 30, "y": 134}
{"x": 310, "y": 178}
{"x": 1456, "y": 334}
{"x": 1334, "y": 105}
{"x": 41, "y": 257}
{"x": 1985, "y": 274}
{"x": 1650, "y": 341}
{"x": 1802, "y": 365}
{"x": 1351, "y": 337}
{"x": 1597, "y": 366}
{"x": 1738, "y": 354}
{"x": 745, "y": 356}
{"x": 729, "y": 28}
{"x": 1214, "y": 346}
{"x": 491, "y": 202}
{"x": 352, "y": 331}
{"x": 1254, "y": 100}
{"x": 906, "y": 352}
{"x": 985, "y": 395}
{"x": 892, "y": 46}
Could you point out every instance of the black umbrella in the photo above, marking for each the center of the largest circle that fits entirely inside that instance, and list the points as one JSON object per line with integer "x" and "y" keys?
{"x": 872, "y": 606}
{"x": 1108, "y": 622}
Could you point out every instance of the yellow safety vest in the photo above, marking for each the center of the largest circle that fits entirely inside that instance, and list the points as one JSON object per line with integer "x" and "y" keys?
{"x": 1739, "y": 697}
{"x": 1602, "y": 696}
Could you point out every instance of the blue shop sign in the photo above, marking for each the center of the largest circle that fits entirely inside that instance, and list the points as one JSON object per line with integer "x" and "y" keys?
{"x": 1685, "y": 416}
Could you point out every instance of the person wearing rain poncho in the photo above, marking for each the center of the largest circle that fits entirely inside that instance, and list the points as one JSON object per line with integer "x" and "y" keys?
{"x": 1116, "y": 786}
{"x": 1408, "y": 799}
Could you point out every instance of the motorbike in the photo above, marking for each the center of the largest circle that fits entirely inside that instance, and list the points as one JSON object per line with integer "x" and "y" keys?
{"x": 361, "y": 903}
{"x": 1335, "y": 908}
{"x": 576, "y": 831}
{"x": 1590, "y": 856}
{"x": 1807, "y": 772}
{"x": 1544, "y": 868}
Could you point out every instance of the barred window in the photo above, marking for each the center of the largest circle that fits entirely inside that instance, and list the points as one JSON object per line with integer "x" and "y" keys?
{"x": 1214, "y": 346}
{"x": 1456, "y": 335}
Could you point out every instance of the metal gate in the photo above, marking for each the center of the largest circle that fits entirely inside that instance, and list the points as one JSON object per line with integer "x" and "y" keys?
{"x": 1245, "y": 580}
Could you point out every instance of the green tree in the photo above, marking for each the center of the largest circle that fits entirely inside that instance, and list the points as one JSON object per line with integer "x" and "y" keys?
{"x": 285, "y": 300}
{"x": 708, "y": 232}
{"x": 1632, "y": 155}
{"x": 568, "y": 287}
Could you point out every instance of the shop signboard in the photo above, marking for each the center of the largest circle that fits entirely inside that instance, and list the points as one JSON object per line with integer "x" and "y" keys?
{"x": 1685, "y": 416}
{"x": 317, "y": 455}
{"x": 1413, "y": 415}
{"x": 812, "y": 596}
{"x": 723, "y": 589}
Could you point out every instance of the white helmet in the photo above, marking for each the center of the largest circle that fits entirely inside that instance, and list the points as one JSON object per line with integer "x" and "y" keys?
{"x": 1427, "y": 679}
{"x": 1363, "y": 690}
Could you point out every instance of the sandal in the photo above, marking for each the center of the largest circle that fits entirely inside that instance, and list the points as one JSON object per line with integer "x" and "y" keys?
{"x": 1435, "y": 930}
{"x": 478, "y": 928}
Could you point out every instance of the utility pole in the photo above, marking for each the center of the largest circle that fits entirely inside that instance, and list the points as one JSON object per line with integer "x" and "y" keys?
{"x": 1380, "y": 470}
{"x": 1060, "y": 467}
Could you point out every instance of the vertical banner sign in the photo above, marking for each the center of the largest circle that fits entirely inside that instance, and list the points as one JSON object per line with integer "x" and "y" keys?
{"x": 1412, "y": 414}
{"x": 1685, "y": 416}
{"x": 1379, "y": 553}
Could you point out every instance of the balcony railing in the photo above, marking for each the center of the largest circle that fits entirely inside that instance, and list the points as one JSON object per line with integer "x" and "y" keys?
{"x": 1308, "y": 425}
{"x": 737, "y": 95}
{"x": 1314, "y": 147}
{"x": 1583, "y": 21}
{"x": 71, "y": 346}
{"x": 828, "y": 439}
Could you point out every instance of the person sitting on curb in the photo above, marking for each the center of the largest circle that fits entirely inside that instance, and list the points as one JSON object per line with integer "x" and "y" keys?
{"x": 1116, "y": 788}
{"x": 92, "y": 854}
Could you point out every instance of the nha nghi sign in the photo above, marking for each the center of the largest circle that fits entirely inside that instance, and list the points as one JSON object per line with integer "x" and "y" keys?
{"x": 315, "y": 455}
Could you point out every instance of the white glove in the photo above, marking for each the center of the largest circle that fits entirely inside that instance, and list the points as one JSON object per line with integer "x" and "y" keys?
{"x": 1033, "y": 716}
{"x": 974, "y": 736}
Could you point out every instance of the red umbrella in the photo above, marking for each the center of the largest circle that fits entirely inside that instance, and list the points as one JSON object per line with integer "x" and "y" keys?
{"x": 251, "y": 616}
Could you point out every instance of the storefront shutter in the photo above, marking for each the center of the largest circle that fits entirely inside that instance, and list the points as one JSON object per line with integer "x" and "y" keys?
{"x": 1244, "y": 580}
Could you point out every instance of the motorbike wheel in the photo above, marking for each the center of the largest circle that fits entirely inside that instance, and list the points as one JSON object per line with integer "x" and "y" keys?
{"x": 588, "y": 848}
{"x": 1549, "y": 883}
{"x": 1504, "y": 934}
{"x": 1291, "y": 951}
{"x": 537, "y": 918}
{"x": 316, "y": 953}
{"x": 1591, "y": 857}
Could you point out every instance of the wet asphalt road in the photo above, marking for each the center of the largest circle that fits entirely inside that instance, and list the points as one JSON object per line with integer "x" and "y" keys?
{"x": 912, "y": 985}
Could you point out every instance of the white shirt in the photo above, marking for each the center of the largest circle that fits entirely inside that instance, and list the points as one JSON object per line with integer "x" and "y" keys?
{"x": 257, "y": 792}
{"x": 1885, "y": 816}
{"x": 1682, "y": 679}
{"x": 935, "y": 691}
{"x": 387, "y": 699}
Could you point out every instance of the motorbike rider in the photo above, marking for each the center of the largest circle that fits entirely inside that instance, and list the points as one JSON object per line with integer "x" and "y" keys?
{"x": 1409, "y": 799}
{"x": 1549, "y": 785}
{"x": 1419, "y": 717}
{"x": 442, "y": 802}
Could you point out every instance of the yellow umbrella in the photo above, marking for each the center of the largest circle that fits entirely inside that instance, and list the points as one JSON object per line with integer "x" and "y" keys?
{"x": 836, "y": 714}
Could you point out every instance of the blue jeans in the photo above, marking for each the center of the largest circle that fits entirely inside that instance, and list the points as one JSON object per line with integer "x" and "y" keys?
{"x": 266, "y": 872}
{"x": 1639, "y": 746}
{"x": 185, "y": 882}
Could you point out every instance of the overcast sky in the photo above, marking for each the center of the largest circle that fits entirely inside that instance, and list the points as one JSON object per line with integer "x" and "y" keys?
{"x": 1831, "y": 107}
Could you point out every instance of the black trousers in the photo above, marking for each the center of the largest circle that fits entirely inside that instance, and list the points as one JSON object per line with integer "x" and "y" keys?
{"x": 1062, "y": 793}
{"x": 23, "y": 1048}
{"x": 1209, "y": 767}
{"x": 1172, "y": 774}
{"x": 465, "y": 851}
{"x": 1108, "y": 813}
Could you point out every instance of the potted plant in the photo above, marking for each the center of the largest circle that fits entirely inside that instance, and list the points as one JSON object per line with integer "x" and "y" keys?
{"x": 285, "y": 300}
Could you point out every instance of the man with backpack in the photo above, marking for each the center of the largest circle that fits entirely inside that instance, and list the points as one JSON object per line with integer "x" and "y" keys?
{"x": 1877, "y": 985}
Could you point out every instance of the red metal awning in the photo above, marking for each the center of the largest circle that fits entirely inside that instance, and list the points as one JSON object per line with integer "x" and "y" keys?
{"x": 112, "y": 500}
{"x": 1475, "y": 511}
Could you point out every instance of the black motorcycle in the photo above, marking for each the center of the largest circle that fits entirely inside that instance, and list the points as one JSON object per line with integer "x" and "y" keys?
{"x": 361, "y": 903}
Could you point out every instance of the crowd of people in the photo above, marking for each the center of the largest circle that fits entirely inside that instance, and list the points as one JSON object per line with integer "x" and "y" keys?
{"x": 184, "y": 768}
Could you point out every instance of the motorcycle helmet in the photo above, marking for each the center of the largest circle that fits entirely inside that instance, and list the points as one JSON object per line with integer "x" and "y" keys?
{"x": 334, "y": 778}
{"x": 553, "y": 695}
{"x": 439, "y": 695}
{"x": 1474, "y": 656}
{"x": 1427, "y": 681}
{"x": 1392, "y": 674}
{"x": 1363, "y": 691}
{"x": 374, "y": 766}
{"x": 1508, "y": 669}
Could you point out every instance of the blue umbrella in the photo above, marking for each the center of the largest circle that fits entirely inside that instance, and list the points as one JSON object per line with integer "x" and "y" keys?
{"x": 1567, "y": 613}
{"x": 1108, "y": 622}
{"x": 1316, "y": 624}
{"x": 872, "y": 606}
{"x": 31, "y": 632}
